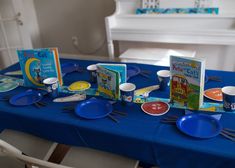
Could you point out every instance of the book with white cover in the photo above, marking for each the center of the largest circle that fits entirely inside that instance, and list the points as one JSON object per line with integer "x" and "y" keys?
{"x": 187, "y": 81}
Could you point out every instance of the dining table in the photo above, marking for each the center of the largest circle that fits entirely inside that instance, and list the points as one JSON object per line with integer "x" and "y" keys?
{"x": 137, "y": 135}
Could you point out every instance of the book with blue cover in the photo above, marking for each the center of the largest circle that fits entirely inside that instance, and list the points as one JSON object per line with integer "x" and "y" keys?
{"x": 39, "y": 64}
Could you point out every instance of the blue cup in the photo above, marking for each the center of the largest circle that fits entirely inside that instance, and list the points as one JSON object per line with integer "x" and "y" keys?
{"x": 127, "y": 93}
{"x": 164, "y": 78}
{"x": 229, "y": 98}
{"x": 52, "y": 86}
{"x": 93, "y": 74}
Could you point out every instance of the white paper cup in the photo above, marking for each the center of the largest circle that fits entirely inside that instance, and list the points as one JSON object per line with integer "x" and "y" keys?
{"x": 229, "y": 98}
{"x": 127, "y": 92}
{"x": 52, "y": 86}
{"x": 93, "y": 75}
{"x": 164, "y": 78}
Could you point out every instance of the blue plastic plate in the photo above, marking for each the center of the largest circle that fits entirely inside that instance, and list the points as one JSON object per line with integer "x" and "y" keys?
{"x": 132, "y": 71}
{"x": 26, "y": 98}
{"x": 199, "y": 125}
{"x": 69, "y": 67}
{"x": 93, "y": 109}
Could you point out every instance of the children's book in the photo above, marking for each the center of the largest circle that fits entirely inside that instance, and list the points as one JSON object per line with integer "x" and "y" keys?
{"x": 187, "y": 81}
{"x": 121, "y": 68}
{"x": 39, "y": 64}
{"x": 109, "y": 77}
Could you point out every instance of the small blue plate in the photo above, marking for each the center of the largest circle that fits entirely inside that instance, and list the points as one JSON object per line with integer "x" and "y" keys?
{"x": 199, "y": 125}
{"x": 69, "y": 68}
{"x": 93, "y": 109}
{"x": 26, "y": 98}
{"x": 132, "y": 71}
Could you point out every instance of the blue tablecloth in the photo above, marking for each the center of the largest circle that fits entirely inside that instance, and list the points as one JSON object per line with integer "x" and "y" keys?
{"x": 138, "y": 135}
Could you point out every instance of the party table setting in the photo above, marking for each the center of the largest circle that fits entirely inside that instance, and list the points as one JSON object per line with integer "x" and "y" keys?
{"x": 139, "y": 121}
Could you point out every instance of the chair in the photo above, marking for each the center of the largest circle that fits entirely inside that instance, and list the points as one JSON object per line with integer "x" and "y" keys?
{"x": 12, "y": 152}
{"x": 36, "y": 149}
{"x": 90, "y": 158}
{"x": 29, "y": 144}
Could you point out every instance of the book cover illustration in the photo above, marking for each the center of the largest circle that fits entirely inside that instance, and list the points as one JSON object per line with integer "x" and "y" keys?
{"x": 39, "y": 64}
{"x": 120, "y": 68}
{"x": 108, "y": 82}
{"x": 187, "y": 81}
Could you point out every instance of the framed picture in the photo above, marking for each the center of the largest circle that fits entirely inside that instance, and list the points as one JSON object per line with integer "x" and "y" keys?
{"x": 151, "y": 4}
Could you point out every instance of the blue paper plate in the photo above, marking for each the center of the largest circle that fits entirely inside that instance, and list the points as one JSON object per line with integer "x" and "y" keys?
{"x": 69, "y": 67}
{"x": 199, "y": 125}
{"x": 26, "y": 98}
{"x": 93, "y": 109}
{"x": 132, "y": 71}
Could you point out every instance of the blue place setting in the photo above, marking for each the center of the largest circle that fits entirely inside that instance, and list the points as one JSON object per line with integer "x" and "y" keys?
{"x": 199, "y": 125}
{"x": 93, "y": 109}
{"x": 26, "y": 98}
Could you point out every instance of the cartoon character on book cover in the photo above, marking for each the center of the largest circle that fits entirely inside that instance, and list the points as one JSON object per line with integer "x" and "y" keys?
{"x": 186, "y": 82}
{"x": 108, "y": 82}
{"x": 39, "y": 64}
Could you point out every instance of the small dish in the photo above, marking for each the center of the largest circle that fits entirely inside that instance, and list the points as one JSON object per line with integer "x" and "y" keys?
{"x": 199, "y": 125}
{"x": 93, "y": 109}
{"x": 156, "y": 108}
{"x": 214, "y": 94}
{"x": 26, "y": 98}
{"x": 8, "y": 86}
{"x": 79, "y": 86}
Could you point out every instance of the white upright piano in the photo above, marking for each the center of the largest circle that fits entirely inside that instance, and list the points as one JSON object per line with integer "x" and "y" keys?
{"x": 125, "y": 25}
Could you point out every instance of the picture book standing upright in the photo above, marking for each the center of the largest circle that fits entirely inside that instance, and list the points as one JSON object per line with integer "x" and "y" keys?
{"x": 39, "y": 64}
{"x": 187, "y": 81}
{"x": 109, "y": 76}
